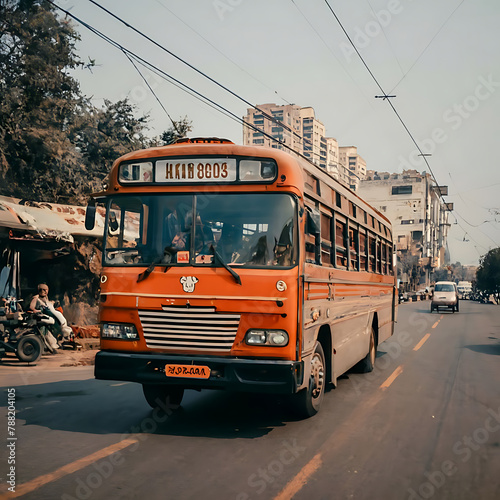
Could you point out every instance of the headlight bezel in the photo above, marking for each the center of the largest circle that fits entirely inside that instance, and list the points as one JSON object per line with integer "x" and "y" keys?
{"x": 266, "y": 337}
{"x": 119, "y": 331}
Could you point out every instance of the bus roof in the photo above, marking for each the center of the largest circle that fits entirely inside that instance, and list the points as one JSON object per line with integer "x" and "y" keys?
{"x": 214, "y": 146}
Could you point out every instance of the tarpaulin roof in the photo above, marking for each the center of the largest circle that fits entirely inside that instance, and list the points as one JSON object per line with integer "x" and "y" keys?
{"x": 48, "y": 220}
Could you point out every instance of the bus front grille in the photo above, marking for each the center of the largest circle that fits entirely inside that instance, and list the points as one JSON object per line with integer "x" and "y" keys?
{"x": 192, "y": 328}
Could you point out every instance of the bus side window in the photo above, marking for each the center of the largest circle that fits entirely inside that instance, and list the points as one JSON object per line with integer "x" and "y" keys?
{"x": 341, "y": 243}
{"x": 372, "y": 251}
{"x": 326, "y": 240}
{"x": 383, "y": 257}
{"x": 354, "y": 248}
{"x": 379, "y": 257}
{"x": 362, "y": 251}
{"x": 313, "y": 235}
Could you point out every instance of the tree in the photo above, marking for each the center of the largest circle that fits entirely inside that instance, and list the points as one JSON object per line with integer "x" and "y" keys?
{"x": 103, "y": 135}
{"x": 54, "y": 144}
{"x": 38, "y": 100}
{"x": 178, "y": 130}
{"x": 488, "y": 274}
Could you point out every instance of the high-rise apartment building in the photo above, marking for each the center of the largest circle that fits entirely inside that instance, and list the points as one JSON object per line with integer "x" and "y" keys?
{"x": 353, "y": 164}
{"x": 287, "y": 134}
{"x": 299, "y": 130}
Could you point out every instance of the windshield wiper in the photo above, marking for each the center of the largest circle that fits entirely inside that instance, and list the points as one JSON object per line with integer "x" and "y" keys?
{"x": 218, "y": 260}
{"x": 145, "y": 274}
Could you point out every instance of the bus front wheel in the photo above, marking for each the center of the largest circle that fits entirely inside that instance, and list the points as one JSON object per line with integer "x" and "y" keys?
{"x": 308, "y": 401}
{"x": 166, "y": 397}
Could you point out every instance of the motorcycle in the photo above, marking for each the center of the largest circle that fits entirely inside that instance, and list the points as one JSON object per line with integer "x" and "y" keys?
{"x": 25, "y": 334}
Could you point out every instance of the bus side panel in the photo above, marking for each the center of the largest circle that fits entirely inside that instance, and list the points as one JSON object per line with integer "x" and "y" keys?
{"x": 351, "y": 337}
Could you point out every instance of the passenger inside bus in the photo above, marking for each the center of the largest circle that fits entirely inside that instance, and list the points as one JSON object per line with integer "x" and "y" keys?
{"x": 230, "y": 242}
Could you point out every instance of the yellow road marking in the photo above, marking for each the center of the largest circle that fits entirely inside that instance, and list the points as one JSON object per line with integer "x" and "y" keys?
{"x": 422, "y": 342}
{"x": 36, "y": 483}
{"x": 436, "y": 323}
{"x": 392, "y": 377}
{"x": 296, "y": 484}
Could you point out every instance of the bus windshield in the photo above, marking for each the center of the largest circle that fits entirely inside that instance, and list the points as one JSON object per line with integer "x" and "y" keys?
{"x": 247, "y": 230}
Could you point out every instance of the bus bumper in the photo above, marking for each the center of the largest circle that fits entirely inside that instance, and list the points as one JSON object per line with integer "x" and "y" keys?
{"x": 244, "y": 375}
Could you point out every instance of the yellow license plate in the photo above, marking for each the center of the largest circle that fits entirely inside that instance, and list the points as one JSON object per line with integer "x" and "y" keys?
{"x": 187, "y": 371}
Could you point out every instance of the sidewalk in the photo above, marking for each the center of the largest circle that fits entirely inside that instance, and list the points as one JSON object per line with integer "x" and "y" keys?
{"x": 62, "y": 358}
{"x": 69, "y": 357}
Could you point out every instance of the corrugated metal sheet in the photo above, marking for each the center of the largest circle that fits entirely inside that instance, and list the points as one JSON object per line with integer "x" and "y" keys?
{"x": 48, "y": 220}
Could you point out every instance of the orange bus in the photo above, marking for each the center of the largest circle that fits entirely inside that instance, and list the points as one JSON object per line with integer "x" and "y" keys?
{"x": 238, "y": 267}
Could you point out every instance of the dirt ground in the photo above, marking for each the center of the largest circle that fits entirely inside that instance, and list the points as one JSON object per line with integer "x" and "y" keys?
{"x": 62, "y": 358}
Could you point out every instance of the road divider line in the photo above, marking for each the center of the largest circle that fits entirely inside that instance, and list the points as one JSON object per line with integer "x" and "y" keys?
{"x": 36, "y": 483}
{"x": 422, "y": 342}
{"x": 392, "y": 377}
{"x": 296, "y": 484}
{"x": 436, "y": 323}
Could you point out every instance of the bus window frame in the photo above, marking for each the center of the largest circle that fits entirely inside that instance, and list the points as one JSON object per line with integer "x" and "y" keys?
{"x": 236, "y": 182}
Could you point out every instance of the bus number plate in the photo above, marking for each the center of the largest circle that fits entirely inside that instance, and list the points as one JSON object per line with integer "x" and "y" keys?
{"x": 187, "y": 371}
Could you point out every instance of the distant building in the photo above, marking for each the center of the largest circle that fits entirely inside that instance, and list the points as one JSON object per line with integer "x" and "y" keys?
{"x": 299, "y": 130}
{"x": 413, "y": 203}
{"x": 353, "y": 164}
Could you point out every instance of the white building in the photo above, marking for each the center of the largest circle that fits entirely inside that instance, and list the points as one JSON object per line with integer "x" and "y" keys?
{"x": 413, "y": 203}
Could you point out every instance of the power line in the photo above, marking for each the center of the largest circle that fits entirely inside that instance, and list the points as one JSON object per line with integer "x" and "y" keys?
{"x": 151, "y": 89}
{"x": 183, "y": 61}
{"x": 428, "y": 45}
{"x": 385, "y": 96}
{"x": 159, "y": 2}
{"x": 170, "y": 78}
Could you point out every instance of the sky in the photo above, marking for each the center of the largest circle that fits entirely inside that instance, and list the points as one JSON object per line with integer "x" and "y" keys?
{"x": 438, "y": 57}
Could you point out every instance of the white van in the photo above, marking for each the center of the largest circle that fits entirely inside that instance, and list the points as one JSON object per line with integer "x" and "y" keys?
{"x": 445, "y": 295}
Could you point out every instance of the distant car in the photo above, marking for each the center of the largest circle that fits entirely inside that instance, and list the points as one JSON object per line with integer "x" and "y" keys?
{"x": 445, "y": 295}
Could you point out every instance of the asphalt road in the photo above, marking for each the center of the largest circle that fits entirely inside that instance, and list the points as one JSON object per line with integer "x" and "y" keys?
{"x": 425, "y": 424}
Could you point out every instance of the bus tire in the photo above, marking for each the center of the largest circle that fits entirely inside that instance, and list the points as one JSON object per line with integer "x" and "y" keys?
{"x": 166, "y": 397}
{"x": 29, "y": 348}
{"x": 308, "y": 401}
{"x": 367, "y": 364}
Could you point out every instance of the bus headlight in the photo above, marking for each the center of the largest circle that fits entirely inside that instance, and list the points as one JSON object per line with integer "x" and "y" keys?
{"x": 277, "y": 338}
{"x": 120, "y": 331}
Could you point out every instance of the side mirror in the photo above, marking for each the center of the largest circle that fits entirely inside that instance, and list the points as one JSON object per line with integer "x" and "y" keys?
{"x": 90, "y": 215}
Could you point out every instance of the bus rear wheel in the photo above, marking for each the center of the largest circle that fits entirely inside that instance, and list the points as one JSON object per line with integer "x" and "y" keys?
{"x": 166, "y": 397}
{"x": 308, "y": 401}
{"x": 367, "y": 364}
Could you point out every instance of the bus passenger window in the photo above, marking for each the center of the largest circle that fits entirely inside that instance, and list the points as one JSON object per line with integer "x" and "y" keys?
{"x": 372, "y": 248}
{"x": 341, "y": 243}
{"x": 384, "y": 258}
{"x": 353, "y": 248}
{"x": 379, "y": 257}
{"x": 362, "y": 251}
{"x": 326, "y": 240}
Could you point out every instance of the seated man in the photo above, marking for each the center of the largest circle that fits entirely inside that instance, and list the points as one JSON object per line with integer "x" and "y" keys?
{"x": 41, "y": 304}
